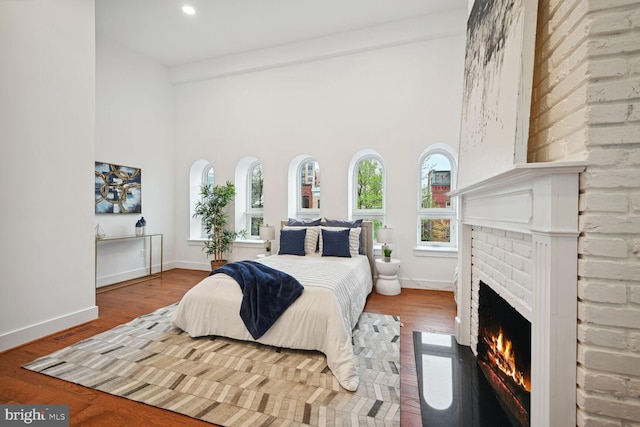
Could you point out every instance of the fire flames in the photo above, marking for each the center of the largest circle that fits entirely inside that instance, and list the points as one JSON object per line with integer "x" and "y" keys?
{"x": 501, "y": 353}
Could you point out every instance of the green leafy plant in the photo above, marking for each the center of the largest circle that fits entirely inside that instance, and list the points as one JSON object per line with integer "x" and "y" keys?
{"x": 369, "y": 187}
{"x": 212, "y": 208}
{"x": 387, "y": 251}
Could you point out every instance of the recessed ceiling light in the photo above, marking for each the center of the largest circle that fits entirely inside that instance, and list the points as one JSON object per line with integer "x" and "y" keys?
{"x": 188, "y": 10}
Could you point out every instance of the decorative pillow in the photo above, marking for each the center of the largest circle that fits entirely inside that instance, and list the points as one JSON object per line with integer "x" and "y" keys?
{"x": 354, "y": 238}
{"x": 347, "y": 223}
{"x": 293, "y": 222}
{"x": 336, "y": 243}
{"x": 311, "y": 239}
{"x": 292, "y": 242}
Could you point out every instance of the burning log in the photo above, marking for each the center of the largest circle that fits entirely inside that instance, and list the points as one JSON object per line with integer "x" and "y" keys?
{"x": 500, "y": 353}
{"x": 516, "y": 400}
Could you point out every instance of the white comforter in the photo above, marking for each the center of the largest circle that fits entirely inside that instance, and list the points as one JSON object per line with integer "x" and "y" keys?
{"x": 322, "y": 318}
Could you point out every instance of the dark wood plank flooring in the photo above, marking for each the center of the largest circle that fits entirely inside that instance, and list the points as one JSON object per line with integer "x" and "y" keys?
{"x": 418, "y": 310}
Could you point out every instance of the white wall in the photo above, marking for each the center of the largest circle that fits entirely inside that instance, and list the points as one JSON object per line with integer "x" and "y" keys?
{"x": 395, "y": 89}
{"x": 396, "y": 97}
{"x": 47, "y": 82}
{"x": 134, "y": 127}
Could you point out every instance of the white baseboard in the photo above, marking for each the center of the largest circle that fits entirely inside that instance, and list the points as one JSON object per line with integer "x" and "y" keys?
{"x": 189, "y": 265}
{"x": 31, "y": 333}
{"x": 433, "y": 285}
{"x": 131, "y": 274}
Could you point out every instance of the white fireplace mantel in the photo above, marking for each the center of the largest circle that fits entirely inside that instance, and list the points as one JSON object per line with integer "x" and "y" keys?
{"x": 539, "y": 199}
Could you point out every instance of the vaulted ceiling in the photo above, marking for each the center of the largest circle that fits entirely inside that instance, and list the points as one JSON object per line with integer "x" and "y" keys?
{"x": 160, "y": 30}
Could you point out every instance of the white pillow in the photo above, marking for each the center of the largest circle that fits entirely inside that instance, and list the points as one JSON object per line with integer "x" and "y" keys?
{"x": 310, "y": 240}
{"x": 354, "y": 238}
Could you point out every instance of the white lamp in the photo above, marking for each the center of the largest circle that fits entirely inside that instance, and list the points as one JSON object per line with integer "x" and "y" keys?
{"x": 385, "y": 235}
{"x": 267, "y": 233}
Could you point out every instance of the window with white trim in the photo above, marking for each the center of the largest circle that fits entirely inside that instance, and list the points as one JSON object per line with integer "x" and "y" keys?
{"x": 201, "y": 173}
{"x": 308, "y": 189}
{"x": 208, "y": 176}
{"x": 436, "y": 210}
{"x": 255, "y": 202}
{"x": 368, "y": 188}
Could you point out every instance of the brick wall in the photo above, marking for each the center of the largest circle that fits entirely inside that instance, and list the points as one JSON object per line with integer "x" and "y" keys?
{"x": 504, "y": 261}
{"x": 586, "y": 105}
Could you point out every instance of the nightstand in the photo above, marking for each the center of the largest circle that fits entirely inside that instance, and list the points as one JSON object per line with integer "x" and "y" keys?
{"x": 387, "y": 283}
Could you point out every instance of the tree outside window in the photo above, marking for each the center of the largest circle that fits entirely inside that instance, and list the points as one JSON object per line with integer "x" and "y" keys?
{"x": 435, "y": 230}
{"x": 257, "y": 184}
{"x": 255, "y": 212}
{"x": 369, "y": 191}
{"x": 369, "y": 185}
{"x": 256, "y": 223}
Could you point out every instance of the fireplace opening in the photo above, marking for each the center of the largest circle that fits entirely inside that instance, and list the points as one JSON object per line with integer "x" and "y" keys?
{"x": 504, "y": 353}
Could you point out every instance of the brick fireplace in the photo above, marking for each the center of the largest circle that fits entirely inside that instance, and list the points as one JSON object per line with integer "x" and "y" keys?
{"x": 518, "y": 235}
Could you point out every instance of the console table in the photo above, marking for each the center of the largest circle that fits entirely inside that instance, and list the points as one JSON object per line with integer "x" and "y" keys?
{"x": 144, "y": 236}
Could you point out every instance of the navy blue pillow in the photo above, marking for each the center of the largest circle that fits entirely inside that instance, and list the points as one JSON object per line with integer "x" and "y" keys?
{"x": 344, "y": 223}
{"x": 293, "y": 222}
{"x": 335, "y": 243}
{"x": 292, "y": 242}
{"x": 356, "y": 223}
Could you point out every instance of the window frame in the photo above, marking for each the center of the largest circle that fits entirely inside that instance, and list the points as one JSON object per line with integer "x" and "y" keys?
{"x": 300, "y": 211}
{"x": 205, "y": 175}
{"x": 206, "y": 181}
{"x": 447, "y": 213}
{"x": 198, "y": 176}
{"x": 368, "y": 214}
{"x": 250, "y": 211}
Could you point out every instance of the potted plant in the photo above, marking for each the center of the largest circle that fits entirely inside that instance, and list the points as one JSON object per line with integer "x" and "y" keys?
{"x": 387, "y": 253}
{"x": 212, "y": 208}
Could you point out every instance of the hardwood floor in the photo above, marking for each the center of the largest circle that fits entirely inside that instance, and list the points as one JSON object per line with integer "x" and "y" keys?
{"x": 418, "y": 310}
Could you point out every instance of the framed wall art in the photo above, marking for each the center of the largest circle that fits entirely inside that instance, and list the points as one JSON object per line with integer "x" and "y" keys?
{"x": 497, "y": 88}
{"x": 118, "y": 189}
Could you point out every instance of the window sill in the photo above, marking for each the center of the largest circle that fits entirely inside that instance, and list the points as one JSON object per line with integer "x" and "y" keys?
{"x": 239, "y": 243}
{"x": 249, "y": 243}
{"x": 436, "y": 252}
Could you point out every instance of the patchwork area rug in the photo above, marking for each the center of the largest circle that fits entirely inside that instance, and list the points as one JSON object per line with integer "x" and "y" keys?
{"x": 235, "y": 383}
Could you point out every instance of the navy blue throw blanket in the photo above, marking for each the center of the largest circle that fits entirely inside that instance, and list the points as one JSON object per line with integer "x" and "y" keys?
{"x": 266, "y": 293}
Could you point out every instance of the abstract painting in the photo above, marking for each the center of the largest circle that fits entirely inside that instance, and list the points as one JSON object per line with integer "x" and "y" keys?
{"x": 118, "y": 189}
{"x": 497, "y": 87}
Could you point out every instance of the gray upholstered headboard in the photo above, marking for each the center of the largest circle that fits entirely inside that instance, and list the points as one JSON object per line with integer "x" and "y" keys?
{"x": 367, "y": 240}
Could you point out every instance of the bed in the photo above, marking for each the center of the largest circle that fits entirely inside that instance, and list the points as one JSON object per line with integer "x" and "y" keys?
{"x": 321, "y": 318}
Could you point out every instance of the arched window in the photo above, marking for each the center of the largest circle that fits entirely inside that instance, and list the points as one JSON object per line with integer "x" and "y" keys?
{"x": 201, "y": 173}
{"x": 367, "y": 187}
{"x": 436, "y": 210}
{"x": 255, "y": 202}
{"x": 208, "y": 176}
{"x": 308, "y": 188}
{"x": 249, "y": 202}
